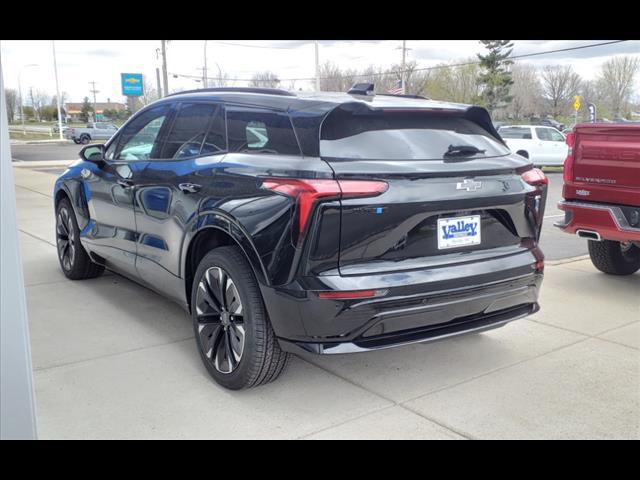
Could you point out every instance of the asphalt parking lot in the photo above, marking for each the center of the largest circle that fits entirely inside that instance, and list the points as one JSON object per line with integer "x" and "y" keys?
{"x": 114, "y": 360}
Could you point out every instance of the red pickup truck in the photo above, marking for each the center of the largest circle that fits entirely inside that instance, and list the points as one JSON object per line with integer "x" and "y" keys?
{"x": 602, "y": 194}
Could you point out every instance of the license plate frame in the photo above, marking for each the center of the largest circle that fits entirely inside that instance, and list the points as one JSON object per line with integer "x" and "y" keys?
{"x": 457, "y": 232}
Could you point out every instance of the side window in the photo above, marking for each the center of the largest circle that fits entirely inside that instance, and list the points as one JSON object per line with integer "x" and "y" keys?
{"x": 260, "y": 131}
{"x": 138, "y": 138}
{"x": 189, "y": 130}
{"x": 544, "y": 134}
{"x": 556, "y": 136}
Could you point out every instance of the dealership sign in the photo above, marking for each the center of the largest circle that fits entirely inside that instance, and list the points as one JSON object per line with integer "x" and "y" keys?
{"x": 131, "y": 84}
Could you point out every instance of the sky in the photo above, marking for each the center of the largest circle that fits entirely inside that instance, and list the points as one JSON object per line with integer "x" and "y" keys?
{"x": 102, "y": 61}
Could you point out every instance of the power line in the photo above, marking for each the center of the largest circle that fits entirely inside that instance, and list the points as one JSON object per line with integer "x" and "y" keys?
{"x": 435, "y": 67}
{"x": 255, "y": 46}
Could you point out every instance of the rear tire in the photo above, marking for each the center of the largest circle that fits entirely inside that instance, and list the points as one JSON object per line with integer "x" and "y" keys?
{"x": 74, "y": 259}
{"x": 233, "y": 334}
{"x": 614, "y": 258}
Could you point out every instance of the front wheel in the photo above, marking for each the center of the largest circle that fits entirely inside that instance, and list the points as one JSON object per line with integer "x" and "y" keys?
{"x": 615, "y": 258}
{"x": 84, "y": 139}
{"x": 233, "y": 334}
{"x": 74, "y": 260}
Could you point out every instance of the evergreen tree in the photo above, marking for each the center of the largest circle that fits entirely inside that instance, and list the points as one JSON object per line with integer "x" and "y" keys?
{"x": 85, "y": 110}
{"x": 495, "y": 79}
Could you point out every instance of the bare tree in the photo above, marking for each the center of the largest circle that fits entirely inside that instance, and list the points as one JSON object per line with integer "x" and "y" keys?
{"x": 559, "y": 85}
{"x": 526, "y": 91}
{"x": 617, "y": 78}
{"x": 149, "y": 93}
{"x": 38, "y": 100}
{"x": 13, "y": 106}
{"x": 454, "y": 83}
{"x": 334, "y": 79}
{"x": 265, "y": 79}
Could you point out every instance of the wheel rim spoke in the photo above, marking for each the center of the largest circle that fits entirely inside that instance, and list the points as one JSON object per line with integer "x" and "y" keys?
{"x": 220, "y": 320}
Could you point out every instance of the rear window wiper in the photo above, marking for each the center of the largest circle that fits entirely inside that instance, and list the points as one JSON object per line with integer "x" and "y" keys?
{"x": 462, "y": 150}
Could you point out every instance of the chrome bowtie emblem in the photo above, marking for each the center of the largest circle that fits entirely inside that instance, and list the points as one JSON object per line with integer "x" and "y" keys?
{"x": 469, "y": 185}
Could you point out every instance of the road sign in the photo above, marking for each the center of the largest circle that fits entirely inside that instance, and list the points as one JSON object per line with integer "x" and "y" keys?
{"x": 592, "y": 113}
{"x": 576, "y": 103}
{"x": 131, "y": 84}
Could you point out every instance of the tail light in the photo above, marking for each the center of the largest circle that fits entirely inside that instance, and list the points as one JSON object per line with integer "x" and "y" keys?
{"x": 535, "y": 177}
{"x": 307, "y": 192}
{"x": 568, "y": 162}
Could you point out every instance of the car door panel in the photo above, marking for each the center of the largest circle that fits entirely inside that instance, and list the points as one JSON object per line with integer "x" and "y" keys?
{"x": 168, "y": 197}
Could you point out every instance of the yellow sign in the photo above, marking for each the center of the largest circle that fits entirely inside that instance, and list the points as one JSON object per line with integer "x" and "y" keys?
{"x": 576, "y": 104}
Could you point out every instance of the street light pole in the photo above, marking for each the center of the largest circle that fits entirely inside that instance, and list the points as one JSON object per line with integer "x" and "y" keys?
{"x": 204, "y": 70}
{"x": 55, "y": 70}
{"x": 165, "y": 76}
{"x": 317, "y": 68}
{"x": 24, "y": 131}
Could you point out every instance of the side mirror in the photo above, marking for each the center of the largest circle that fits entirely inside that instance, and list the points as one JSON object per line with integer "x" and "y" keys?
{"x": 93, "y": 153}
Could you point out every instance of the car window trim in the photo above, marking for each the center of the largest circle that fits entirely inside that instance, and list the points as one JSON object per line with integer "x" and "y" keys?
{"x": 232, "y": 105}
{"x": 177, "y": 108}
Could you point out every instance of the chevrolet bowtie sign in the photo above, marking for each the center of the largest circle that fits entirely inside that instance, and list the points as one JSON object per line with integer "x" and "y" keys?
{"x": 131, "y": 84}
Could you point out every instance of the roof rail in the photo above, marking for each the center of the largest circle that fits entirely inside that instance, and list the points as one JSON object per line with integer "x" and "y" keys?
{"x": 268, "y": 91}
{"x": 404, "y": 95}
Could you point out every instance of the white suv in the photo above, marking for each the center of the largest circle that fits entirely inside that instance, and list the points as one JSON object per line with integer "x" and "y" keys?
{"x": 542, "y": 145}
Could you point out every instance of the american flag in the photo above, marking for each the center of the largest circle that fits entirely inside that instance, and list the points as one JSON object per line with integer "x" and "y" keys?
{"x": 397, "y": 90}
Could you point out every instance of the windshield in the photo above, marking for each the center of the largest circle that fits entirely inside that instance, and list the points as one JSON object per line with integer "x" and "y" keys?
{"x": 404, "y": 136}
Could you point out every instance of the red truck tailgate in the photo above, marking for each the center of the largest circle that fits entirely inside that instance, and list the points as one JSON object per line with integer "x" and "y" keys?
{"x": 606, "y": 164}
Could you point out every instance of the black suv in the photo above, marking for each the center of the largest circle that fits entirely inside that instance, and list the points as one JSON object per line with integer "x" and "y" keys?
{"x": 309, "y": 222}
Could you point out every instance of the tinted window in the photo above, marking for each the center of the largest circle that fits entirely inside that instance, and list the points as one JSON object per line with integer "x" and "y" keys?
{"x": 402, "y": 136}
{"x": 549, "y": 135}
{"x": 188, "y": 131}
{"x": 260, "y": 131}
{"x": 523, "y": 133}
{"x": 139, "y": 136}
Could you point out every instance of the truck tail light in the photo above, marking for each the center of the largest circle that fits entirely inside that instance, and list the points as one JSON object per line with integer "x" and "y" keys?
{"x": 567, "y": 174}
{"x": 308, "y": 192}
{"x": 535, "y": 177}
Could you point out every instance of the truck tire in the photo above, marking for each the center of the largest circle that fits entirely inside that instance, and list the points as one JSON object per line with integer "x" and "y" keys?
{"x": 614, "y": 258}
{"x": 84, "y": 139}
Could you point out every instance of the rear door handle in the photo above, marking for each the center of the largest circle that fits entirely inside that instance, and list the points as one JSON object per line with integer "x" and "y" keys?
{"x": 189, "y": 187}
{"x": 125, "y": 183}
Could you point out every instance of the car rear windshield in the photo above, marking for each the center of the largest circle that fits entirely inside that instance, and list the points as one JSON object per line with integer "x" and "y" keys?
{"x": 403, "y": 136}
{"x": 523, "y": 133}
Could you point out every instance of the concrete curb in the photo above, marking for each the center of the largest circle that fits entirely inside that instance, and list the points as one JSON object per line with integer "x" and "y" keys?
{"x": 39, "y": 142}
{"x": 42, "y": 163}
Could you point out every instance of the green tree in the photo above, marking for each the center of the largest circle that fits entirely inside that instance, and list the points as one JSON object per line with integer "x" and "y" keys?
{"x": 85, "y": 110}
{"x": 495, "y": 78}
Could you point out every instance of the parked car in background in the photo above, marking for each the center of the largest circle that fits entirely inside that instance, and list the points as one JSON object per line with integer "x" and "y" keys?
{"x": 544, "y": 146}
{"x": 93, "y": 131}
{"x": 315, "y": 222}
{"x": 602, "y": 194}
{"x": 56, "y": 129}
{"x": 549, "y": 122}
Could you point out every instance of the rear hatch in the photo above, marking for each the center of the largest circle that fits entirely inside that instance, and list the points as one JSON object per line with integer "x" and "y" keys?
{"x": 454, "y": 192}
{"x": 606, "y": 164}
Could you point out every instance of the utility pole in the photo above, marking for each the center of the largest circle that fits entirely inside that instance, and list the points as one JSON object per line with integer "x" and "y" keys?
{"x": 158, "y": 82}
{"x": 24, "y": 131}
{"x": 94, "y": 91}
{"x": 165, "y": 77}
{"x": 204, "y": 70}
{"x": 402, "y": 68}
{"x": 55, "y": 71}
{"x": 317, "y": 68}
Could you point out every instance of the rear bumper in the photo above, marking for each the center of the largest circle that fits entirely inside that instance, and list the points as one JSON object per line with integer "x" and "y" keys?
{"x": 608, "y": 221}
{"x": 415, "y": 306}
